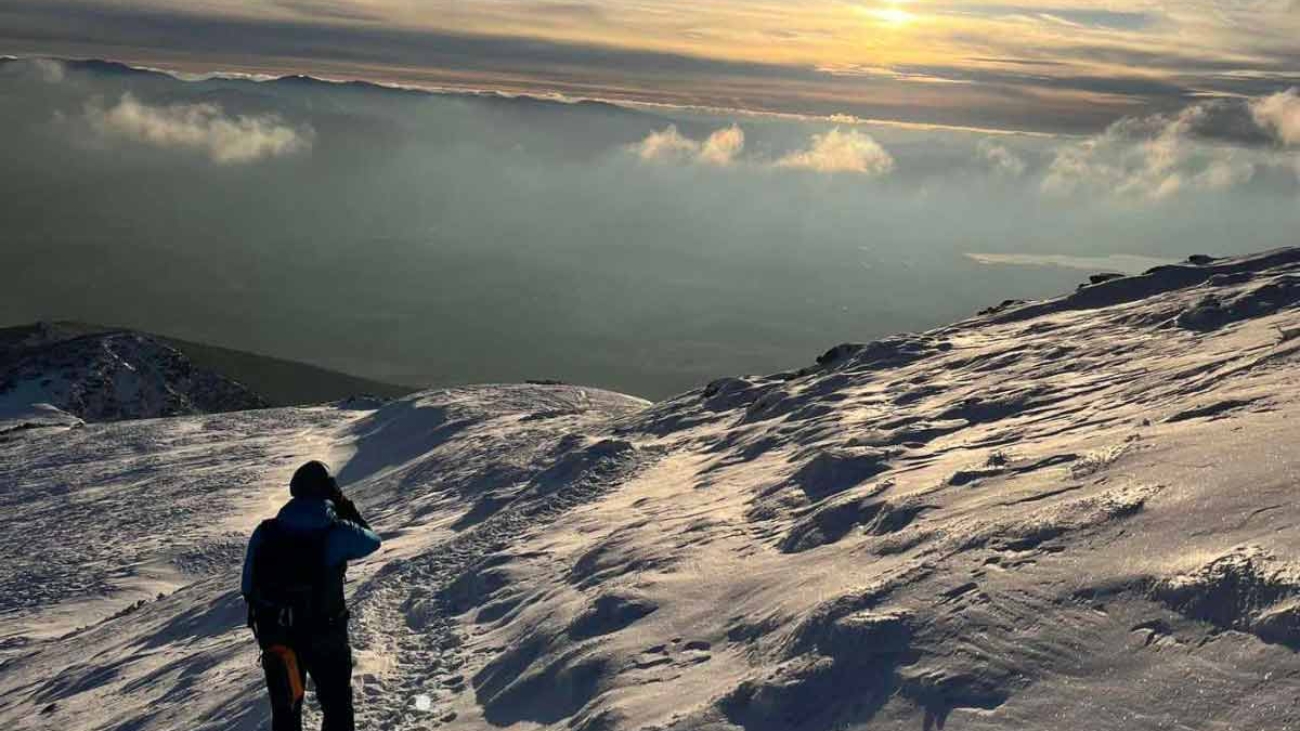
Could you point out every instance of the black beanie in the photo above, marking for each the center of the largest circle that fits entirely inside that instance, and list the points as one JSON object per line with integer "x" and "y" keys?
{"x": 312, "y": 480}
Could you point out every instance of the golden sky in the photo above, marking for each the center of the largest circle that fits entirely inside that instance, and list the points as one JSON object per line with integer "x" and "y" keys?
{"x": 1017, "y": 64}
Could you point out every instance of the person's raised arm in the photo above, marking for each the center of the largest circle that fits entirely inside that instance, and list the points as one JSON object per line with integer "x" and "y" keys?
{"x": 352, "y": 537}
{"x": 347, "y": 510}
{"x": 344, "y": 508}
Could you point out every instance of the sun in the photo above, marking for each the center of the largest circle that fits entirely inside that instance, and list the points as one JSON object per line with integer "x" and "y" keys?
{"x": 889, "y": 12}
{"x": 893, "y": 15}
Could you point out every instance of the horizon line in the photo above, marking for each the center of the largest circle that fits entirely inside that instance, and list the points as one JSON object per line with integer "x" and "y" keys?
{"x": 556, "y": 97}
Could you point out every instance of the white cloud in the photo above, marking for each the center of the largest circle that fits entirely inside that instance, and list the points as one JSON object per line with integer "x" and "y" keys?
{"x": 833, "y": 152}
{"x": 50, "y": 70}
{"x": 205, "y": 128}
{"x": 841, "y": 152}
{"x": 668, "y": 144}
{"x": 720, "y": 148}
{"x": 1226, "y": 171}
{"x": 1280, "y": 115}
{"x": 1003, "y": 161}
{"x": 1148, "y": 158}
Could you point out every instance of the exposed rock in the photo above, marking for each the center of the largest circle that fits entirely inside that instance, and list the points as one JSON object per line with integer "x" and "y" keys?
{"x": 113, "y": 376}
{"x": 839, "y": 353}
{"x": 1104, "y": 277}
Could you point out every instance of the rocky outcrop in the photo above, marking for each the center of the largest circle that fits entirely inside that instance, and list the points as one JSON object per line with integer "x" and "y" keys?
{"x": 112, "y": 376}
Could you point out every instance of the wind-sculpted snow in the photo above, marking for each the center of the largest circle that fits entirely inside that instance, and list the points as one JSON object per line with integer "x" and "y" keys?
{"x": 93, "y": 508}
{"x": 1076, "y": 513}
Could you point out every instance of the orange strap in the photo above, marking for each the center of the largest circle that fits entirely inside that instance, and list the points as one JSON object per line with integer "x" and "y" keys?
{"x": 290, "y": 660}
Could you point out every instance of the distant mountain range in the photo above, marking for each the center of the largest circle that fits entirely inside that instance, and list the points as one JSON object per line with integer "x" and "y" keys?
{"x": 99, "y": 373}
{"x": 106, "y": 68}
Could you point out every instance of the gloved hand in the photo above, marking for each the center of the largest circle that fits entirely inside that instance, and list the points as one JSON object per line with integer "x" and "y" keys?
{"x": 344, "y": 508}
{"x": 335, "y": 494}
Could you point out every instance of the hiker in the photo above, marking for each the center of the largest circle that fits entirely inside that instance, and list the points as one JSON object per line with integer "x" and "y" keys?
{"x": 293, "y": 584}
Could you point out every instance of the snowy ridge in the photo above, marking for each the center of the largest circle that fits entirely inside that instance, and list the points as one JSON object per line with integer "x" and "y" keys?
{"x": 1075, "y": 513}
{"x": 108, "y": 376}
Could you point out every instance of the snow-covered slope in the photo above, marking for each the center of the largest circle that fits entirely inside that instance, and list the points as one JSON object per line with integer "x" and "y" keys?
{"x": 1066, "y": 514}
{"x": 108, "y": 376}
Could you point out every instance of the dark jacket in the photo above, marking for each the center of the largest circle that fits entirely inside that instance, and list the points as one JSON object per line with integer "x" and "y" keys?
{"x": 347, "y": 540}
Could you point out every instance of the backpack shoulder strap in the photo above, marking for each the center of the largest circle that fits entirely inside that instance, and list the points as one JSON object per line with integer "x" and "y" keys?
{"x": 268, "y": 532}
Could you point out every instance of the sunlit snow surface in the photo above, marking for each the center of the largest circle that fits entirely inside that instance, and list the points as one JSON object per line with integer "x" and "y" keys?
{"x": 1069, "y": 514}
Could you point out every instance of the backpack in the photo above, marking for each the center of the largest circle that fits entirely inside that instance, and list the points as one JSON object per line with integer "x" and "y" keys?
{"x": 289, "y": 578}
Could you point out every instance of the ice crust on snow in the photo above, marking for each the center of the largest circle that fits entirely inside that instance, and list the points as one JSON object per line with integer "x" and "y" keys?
{"x": 1076, "y": 513}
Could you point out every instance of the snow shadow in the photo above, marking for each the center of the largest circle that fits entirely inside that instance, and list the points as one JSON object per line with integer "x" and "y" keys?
{"x": 397, "y": 434}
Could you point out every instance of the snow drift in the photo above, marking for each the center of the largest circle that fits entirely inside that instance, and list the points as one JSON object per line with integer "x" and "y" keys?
{"x": 1072, "y": 513}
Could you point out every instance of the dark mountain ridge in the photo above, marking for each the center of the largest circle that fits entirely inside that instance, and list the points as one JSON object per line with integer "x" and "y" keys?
{"x": 101, "y": 373}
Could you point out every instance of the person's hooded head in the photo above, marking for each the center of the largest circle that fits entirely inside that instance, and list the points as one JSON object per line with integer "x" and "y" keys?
{"x": 312, "y": 480}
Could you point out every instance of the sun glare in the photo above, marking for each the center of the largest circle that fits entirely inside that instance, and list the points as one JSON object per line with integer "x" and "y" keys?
{"x": 893, "y": 16}
{"x": 889, "y": 12}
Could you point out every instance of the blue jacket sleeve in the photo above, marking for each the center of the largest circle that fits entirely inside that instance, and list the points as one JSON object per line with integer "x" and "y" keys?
{"x": 246, "y": 585}
{"x": 349, "y": 541}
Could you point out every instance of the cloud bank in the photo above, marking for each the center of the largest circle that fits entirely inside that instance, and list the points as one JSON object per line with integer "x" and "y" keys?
{"x": 50, "y": 70}
{"x": 1280, "y": 114}
{"x": 720, "y": 148}
{"x": 835, "y": 151}
{"x": 723, "y": 146}
{"x": 203, "y": 128}
{"x": 1003, "y": 161}
{"x": 841, "y": 152}
{"x": 1150, "y": 158}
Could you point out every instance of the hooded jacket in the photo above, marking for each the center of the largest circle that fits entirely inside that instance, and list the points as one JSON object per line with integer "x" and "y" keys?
{"x": 346, "y": 541}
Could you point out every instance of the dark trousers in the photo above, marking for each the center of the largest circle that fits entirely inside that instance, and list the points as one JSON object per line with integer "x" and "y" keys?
{"x": 327, "y": 658}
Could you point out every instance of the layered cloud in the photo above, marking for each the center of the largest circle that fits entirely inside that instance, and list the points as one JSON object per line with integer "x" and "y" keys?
{"x": 1058, "y": 66}
{"x": 839, "y": 151}
{"x": 201, "y": 128}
